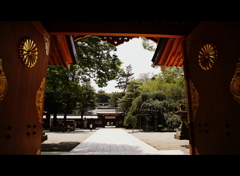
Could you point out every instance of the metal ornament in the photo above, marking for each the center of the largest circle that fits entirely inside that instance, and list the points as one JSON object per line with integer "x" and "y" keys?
{"x": 47, "y": 42}
{"x": 194, "y": 99}
{"x": 207, "y": 56}
{"x": 38, "y": 152}
{"x": 28, "y": 52}
{"x": 40, "y": 99}
{"x": 3, "y": 82}
{"x": 235, "y": 83}
{"x": 196, "y": 151}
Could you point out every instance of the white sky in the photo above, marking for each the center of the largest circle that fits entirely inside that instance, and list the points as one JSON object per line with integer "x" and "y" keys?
{"x": 131, "y": 52}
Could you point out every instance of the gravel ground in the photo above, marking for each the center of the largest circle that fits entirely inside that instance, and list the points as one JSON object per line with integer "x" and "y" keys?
{"x": 161, "y": 140}
{"x": 158, "y": 140}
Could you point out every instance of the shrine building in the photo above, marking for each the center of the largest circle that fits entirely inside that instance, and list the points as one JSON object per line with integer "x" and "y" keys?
{"x": 101, "y": 117}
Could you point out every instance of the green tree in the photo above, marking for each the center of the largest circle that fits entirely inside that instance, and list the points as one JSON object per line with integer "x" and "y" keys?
{"x": 172, "y": 83}
{"x": 144, "y": 77}
{"x": 98, "y": 60}
{"x": 151, "y": 103}
{"x": 131, "y": 120}
{"x": 148, "y": 45}
{"x": 159, "y": 98}
{"x": 103, "y": 97}
{"x": 124, "y": 77}
{"x": 114, "y": 97}
{"x": 86, "y": 100}
{"x": 131, "y": 93}
{"x": 62, "y": 90}
{"x": 172, "y": 120}
{"x": 172, "y": 75}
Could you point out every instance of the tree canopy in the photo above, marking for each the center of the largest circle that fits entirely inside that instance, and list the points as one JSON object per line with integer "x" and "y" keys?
{"x": 69, "y": 89}
{"x": 131, "y": 93}
{"x": 103, "y": 97}
{"x": 158, "y": 98}
{"x": 86, "y": 100}
{"x": 114, "y": 97}
{"x": 148, "y": 45}
{"x": 124, "y": 77}
{"x": 97, "y": 60}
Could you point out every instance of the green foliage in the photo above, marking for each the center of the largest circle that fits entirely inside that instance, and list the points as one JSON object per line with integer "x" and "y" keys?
{"x": 67, "y": 90}
{"x": 114, "y": 97}
{"x": 62, "y": 89}
{"x": 124, "y": 77}
{"x": 103, "y": 97}
{"x": 159, "y": 98}
{"x": 101, "y": 91}
{"x": 125, "y": 102}
{"x": 144, "y": 77}
{"x": 150, "y": 86}
{"x": 172, "y": 120}
{"x": 172, "y": 75}
{"x": 86, "y": 100}
{"x": 133, "y": 86}
{"x": 131, "y": 120}
{"x": 148, "y": 45}
{"x": 148, "y": 103}
{"x": 97, "y": 60}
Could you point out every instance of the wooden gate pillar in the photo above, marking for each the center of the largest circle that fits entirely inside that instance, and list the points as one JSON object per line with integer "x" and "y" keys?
{"x": 24, "y": 62}
{"x": 212, "y": 76}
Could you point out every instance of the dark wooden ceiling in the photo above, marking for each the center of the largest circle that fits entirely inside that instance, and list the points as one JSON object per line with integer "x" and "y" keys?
{"x": 121, "y": 28}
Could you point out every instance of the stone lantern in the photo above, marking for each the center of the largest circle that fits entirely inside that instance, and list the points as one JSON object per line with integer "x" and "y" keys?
{"x": 182, "y": 132}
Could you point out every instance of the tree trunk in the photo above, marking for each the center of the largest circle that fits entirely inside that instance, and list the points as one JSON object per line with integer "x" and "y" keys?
{"x": 81, "y": 125}
{"x": 67, "y": 107}
{"x": 48, "y": 118}
{"x": 65, "y": 118}
{"x": 55, "y": 119}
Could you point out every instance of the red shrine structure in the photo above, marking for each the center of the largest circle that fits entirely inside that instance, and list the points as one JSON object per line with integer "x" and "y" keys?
{"x": 207, "y": 50}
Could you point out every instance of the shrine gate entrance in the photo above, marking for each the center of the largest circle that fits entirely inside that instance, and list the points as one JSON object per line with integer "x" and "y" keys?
{"x": 209, "y": 52}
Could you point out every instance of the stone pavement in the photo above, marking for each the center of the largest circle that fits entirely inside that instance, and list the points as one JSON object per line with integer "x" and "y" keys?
{"x": 115, "y": 141}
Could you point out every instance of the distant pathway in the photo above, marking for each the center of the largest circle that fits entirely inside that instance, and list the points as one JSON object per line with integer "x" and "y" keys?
{"x": 112, "y": 141}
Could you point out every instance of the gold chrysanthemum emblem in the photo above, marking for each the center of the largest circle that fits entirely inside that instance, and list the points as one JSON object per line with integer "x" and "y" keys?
{"x": 207, "y": 56}
{"x": 28, "y": 52}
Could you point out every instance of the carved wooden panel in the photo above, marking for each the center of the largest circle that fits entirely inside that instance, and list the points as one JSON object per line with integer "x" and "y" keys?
{"x": 3, "y": 82}
{"x": 19, "y": 122}
{"x": 114, "y": 40}
{"x": 214, "y": 89}
{"x": 235, "y": 83}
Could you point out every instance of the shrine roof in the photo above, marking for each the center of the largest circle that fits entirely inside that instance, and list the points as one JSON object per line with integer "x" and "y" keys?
{"x": 169, "y": 53}
{"x": 109, "y": 111}
{"x": 168, "y": 34}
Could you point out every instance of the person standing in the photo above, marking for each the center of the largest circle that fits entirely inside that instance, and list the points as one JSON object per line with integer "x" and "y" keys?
{"x": 68, "y": 128}
{"x": 90, "y": 126}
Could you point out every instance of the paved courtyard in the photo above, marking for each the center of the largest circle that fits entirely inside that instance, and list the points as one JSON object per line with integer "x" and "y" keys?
{"x": 112, "y": 141}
